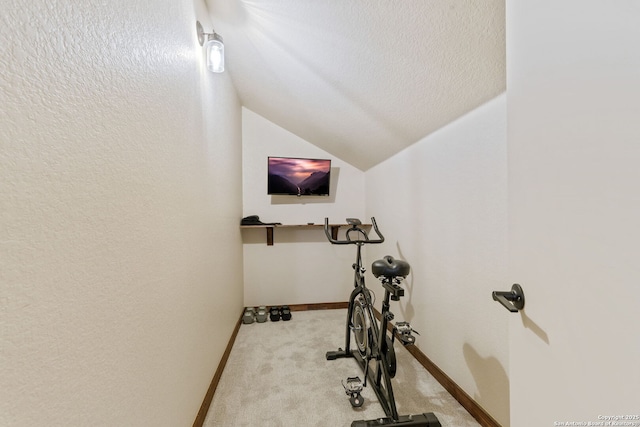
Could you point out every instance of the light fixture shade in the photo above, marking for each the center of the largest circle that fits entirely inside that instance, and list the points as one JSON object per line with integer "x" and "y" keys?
{"x": 215, "y": 53}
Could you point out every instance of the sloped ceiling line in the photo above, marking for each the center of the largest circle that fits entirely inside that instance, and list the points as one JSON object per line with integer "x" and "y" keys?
{"x": 363, "y": 79}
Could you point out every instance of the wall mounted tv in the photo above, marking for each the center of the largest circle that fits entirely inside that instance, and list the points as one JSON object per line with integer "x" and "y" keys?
{"x": 298, "y": 177}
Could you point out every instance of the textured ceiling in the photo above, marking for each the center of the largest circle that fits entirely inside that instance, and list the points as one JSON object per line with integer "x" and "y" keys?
{"x": 363, "y": 79}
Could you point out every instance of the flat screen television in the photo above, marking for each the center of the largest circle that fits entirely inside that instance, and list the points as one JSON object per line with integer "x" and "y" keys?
{"x": 298, "y": 177}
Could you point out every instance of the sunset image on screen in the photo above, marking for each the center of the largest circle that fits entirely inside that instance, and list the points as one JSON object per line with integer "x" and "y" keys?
{"x": 299, "y": 177}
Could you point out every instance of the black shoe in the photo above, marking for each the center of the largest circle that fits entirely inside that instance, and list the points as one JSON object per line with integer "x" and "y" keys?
{"x": 285, "y": 312}
{"x": 274, "y": 314}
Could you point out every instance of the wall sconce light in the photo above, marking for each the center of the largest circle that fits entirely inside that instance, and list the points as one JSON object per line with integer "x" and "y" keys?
{"x": 214, "y": 47}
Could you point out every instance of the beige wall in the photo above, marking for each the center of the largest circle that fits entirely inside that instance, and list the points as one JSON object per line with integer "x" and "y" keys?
{"x": 120, "y": 192}
{"x": 442, "y": 205}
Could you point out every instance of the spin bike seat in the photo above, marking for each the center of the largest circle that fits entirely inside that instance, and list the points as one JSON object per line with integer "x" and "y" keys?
{"x": 390, "y": 267}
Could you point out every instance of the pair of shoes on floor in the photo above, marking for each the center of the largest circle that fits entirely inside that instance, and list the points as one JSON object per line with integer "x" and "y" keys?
{"x": 251, "y": 315}
{"x": 277, "y": 313}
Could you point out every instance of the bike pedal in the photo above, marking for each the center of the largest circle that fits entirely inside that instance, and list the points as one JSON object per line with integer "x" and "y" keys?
{"x": 407, "y": 339}
{"x": 353, "y": 385}
{"x": 405, "y": 333}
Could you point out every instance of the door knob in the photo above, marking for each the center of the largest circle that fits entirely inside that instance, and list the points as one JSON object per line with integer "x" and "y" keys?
{"x": 511, "y": 300}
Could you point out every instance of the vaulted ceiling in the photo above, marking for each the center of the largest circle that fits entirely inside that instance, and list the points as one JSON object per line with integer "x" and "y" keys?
{"x": 363, "y": 79}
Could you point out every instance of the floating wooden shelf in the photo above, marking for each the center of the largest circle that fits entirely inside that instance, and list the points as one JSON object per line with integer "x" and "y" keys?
{"x": 269, "y": 228}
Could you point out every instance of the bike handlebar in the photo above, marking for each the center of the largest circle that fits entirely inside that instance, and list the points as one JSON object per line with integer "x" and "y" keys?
{"x": 354, "y": 227}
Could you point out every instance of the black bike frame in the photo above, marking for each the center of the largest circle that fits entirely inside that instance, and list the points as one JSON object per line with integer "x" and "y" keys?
{"x": 358, "y": 280}
{"x": 378, "y": 347}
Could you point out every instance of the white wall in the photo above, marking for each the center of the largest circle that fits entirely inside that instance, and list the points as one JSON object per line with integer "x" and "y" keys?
{"x": 302, "y": 266}
{"x": 574, "y": 205}
{"x": 442, "y": 205}
{"x": 120, "y": 191}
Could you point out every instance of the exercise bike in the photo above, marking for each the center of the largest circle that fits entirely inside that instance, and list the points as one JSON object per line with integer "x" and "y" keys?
{"x": 374, "y": 345}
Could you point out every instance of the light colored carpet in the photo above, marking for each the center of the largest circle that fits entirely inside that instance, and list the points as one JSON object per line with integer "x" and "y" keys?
{"x": 277, "y": 375}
